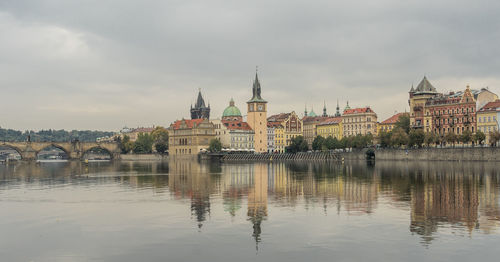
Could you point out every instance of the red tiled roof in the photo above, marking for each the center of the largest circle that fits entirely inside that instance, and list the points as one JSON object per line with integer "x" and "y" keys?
{"x": 491, "y": 106}
{"x": 189, "y": 123}
{"x": 393, "y": 119}
{"x": 273, "y": 124}
{"x": 309, "y": 119}
{"x": 278, "y": 117}
{"x": 331, "y": 120}
{"x": 143, "y": 130}
{"x": 236, "y": 125}
{"x": 358, "y": 111}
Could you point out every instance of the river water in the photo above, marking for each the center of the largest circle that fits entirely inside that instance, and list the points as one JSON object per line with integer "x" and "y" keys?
{"x": 191, "y": 211}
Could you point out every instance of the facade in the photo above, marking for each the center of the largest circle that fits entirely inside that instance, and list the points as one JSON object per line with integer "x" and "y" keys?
{"x": 291, "y": 127}
{"x": 488, "y": 119}
{"x": 419, "y": 116}
{"x": 275, "y": 137}
{"x": 133, "y": 133}
{"x": 483, "y": 97}
{"x": 257, "y": 117}
{"x": 331, "y": 126}
{"x": 390, "y": 123}
{"x": 361, "y": 121}
{"x": 189, "y": 137}
{"x": 309, "y": 131}
{"x": 452, "y": 113}
{"x": 200, "y": 110}
{"x": 233, "y": 133}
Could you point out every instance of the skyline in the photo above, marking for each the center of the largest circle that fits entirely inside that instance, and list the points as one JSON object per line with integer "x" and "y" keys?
{"x": 90, "y": 65}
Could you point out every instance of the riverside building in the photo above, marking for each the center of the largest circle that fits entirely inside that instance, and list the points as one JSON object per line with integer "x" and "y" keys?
{"x": 359, "y": 121}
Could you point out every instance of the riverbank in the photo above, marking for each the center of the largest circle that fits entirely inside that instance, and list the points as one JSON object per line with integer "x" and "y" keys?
{"x": 143, "y": 157}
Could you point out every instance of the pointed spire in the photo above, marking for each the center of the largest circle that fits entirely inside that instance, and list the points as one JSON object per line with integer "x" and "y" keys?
{"x": 324, "y": 109}
{"x": 256, "y": 90}
{"x": 305, "y": 110}
{"x": 337, "y": 113}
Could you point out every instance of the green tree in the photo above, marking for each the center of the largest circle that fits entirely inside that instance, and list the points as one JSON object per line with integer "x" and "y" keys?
{"x": 416, "y": 138}
{"x": 403, "y": 123}
{"x": 160, "y": 136}
{"x": 143, "y": 144}
{"x": 385, "y": 138}
{"x": 297, "y": 144}
{"x": 125, "y": 144}
{"x": 318, "y": 143}
{"x": 215, "y": 145}
{"x": 332, "y": 143}
{"x": 466, "y": 137}
{"x": 479, "y": 137}
{"x": 430, "y": 138}
{"x": 451, "y": 138}
{"x": 399, "y": 137}
{"x": 494, "y": 137}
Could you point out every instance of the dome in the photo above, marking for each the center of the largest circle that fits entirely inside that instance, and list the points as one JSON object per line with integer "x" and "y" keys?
{"x": 231, "y": 110}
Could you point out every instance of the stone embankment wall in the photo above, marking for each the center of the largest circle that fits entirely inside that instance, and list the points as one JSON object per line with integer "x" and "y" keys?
{"x": 143, "y": 157}
{"x": 431, "y": 154}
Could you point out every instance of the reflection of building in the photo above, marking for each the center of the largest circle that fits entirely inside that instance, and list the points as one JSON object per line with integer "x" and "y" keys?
{"x": 359, "y": 121}
{"x": 189, "y": 137}
{"x": 257, "y": 200}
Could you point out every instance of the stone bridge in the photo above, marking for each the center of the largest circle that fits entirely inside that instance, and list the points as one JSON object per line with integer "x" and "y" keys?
{"x": 74, "y": 150}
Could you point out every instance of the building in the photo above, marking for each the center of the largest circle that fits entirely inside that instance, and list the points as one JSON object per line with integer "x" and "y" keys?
{"x": 189, "y": 137}
{"x": 483, "y": 97}
{"x": 200, "y": 110}
{"x": 361, "y": 121}
{"x": 309, "y": 130}
{"x": 419, "y": 117}
{"x": 233, "y": 133}
{"x": 132, "y": 133}
{"x": 275, "y": 137}
{"x": 487, "y": 119}
{"x": 451, "y": 113}
{"x": 390, "y": 123}
{"x": 291, "y": 127}
{"x": 257, "y": 117}
{"x": 331, "y": 126}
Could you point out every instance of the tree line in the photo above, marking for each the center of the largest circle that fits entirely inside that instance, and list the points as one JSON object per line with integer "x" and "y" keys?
{"x": 11, "y": 135}
{"x": 145, "y": 142}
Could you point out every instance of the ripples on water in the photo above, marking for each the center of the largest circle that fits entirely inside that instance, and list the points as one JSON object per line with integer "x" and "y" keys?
{"x": 190, "y": 211}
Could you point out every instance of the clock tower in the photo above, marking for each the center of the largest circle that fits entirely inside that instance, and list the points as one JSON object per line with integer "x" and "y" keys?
{"x": 257, "y": 117}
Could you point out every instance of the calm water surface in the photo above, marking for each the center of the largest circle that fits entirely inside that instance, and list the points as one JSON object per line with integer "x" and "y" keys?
{"x": 190, "y": 211}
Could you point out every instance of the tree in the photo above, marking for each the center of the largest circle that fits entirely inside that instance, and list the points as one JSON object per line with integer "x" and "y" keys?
{"x": 403, "y": 123}
{"x": 466, "y": 137}
{"x": 494, "y": 137}
{"x": 430, "y": 138}
{"x": 399, "y": 137}
{"x": 451, "y": 138}
{"x": 479, "y": 137}
{"x": 215, "y": 145}
{"x": 160, "y": 136}
{"x": 385, "y": 138}
{"x": 143, "y": 144}
{"x": 297, "y": 144}
{"x": 332, "y": 143}
{"x": 125, "y": 144}
{"x": 318, "y": 143}
{"x": 416, "y": 138}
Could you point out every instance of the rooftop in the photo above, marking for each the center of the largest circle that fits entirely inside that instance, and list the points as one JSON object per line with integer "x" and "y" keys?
{"x": 491, "y": 106}
{"x": 190, "y": 123}
{"x": 236, "y": 125}
{"x": 358, "y": 111}
{"x": 393, "y": 119}
{"x": 331, "y": 120}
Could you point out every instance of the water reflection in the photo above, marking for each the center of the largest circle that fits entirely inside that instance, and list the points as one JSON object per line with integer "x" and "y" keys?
{"x": 458, "y": 197}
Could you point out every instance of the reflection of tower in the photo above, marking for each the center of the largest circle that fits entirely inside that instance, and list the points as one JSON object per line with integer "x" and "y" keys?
{"x": 257, "y": 201}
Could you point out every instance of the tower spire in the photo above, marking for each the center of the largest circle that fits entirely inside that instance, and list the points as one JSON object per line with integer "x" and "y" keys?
{"x": 305, "y": 109}
{"x": 324, "y": 109}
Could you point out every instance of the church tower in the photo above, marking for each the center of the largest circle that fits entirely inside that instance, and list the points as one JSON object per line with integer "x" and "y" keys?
{"x": 257, "y": 117}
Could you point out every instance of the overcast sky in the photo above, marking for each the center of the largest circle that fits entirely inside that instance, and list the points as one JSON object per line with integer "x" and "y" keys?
{"x": 98, "y": 64}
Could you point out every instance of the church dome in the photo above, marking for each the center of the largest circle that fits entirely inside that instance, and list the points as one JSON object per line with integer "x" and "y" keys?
{"x": 231, "y": 110}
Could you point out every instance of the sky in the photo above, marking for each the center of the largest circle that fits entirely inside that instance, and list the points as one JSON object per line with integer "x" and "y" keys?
{"x": 103, "y": 65}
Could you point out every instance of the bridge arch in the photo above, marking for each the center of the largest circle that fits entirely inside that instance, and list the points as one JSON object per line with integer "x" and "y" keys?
{"x": 7, "y": 147}
{"x": 98, "y": 148}
{"x": 53, "y": 145}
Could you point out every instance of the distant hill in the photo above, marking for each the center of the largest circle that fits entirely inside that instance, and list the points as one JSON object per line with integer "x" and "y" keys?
{"x": 52, "y": 135}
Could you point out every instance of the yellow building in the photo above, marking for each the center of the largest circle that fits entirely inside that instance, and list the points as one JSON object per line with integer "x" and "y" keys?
{"x": 389, "y": 124}
{"x": 276, "y": 137}
{"x": 487, "y": 119}
{"x": 330, "y": 127}
{"x": 420, "y": 116}
{"x": 257, "y": 117}
{"x": 291, "y": 127}
{"x": 189, "y": 137}
{"x": 310, "y": 122}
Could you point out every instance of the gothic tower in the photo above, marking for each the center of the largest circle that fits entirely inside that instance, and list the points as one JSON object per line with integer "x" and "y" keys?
{"x": 200, "y": 110}
{"x": 257, "y": 117}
